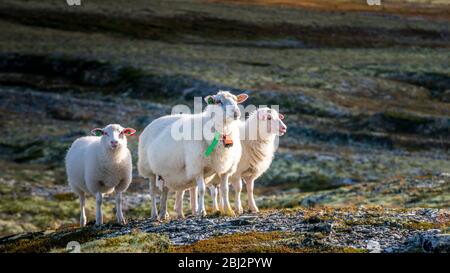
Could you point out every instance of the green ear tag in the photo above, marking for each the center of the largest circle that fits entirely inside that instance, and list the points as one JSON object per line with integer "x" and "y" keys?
{"x": 98, "y": 133}
{"x": 210, "y": 100}
{"x": 213, "y": 144}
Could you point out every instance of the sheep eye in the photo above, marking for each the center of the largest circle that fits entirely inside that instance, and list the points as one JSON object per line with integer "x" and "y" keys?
{"x": 105, "y": 134}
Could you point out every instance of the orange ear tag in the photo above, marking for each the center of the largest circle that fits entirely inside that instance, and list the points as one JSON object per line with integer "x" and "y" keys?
{"x": 227, "y": 141}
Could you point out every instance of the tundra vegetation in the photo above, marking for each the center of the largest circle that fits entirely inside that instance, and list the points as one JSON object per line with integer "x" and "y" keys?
{"x": 366, "y": 97}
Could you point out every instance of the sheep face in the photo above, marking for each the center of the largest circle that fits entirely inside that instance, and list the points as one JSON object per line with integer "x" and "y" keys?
{"x": 225, "y": 105}
{"x": 114, "y": 136}
{"x": 270, "y": 122}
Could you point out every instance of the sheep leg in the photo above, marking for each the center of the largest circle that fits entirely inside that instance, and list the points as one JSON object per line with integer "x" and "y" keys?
{"x": 201, "y": 196}
{"x": 160, "y": 184}
{"x": 119, "y": 212}
{"x": 177, "y": 195}
{"x": 213, "y": 190}
{"x": 237, "y": 185}
{"x": 163, "y": 214}
{"x": 194, "y": 200}
{"x": 225, "y": 203}
{"x": 179, "y": 203}
{"x": 251, "y": 199}
{"x": 98, "y": 213}
{"x": 154, "y": 213}
{"x": 82, "y": 209}
{"x": 219, "y": 191}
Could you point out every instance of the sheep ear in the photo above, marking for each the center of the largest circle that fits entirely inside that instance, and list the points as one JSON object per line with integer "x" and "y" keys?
{"x": 209, "y": 99}
{"x": 241, "y": 98}
{"x": 281, "y": 116}
{"x": 129, "y": 131}
{"x": 97, "y": 132}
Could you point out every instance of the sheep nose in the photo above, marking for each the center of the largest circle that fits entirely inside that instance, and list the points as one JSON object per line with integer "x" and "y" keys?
{"x": 114, "y": 142}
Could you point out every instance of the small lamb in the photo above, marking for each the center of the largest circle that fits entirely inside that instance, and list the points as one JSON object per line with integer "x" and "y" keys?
{"x": 100, "y": 164}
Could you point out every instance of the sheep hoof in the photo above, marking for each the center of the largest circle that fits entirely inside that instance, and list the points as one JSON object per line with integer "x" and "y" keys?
{"x": 164, "y": 217}
{"x": 240, "y": 211}
{"x": 122, "y": 221}
{"x": 181, "y": 217}
{"x": 202, "y": 213}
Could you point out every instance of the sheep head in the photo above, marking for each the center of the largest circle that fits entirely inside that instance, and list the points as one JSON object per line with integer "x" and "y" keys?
{"x": 113, "y": 136}
{"x": 271, "y": 122}
{"x": 224, "y": 105}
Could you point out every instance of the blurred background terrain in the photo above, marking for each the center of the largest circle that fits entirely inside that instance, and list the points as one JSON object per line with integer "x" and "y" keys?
{"x": 365, "y": 91}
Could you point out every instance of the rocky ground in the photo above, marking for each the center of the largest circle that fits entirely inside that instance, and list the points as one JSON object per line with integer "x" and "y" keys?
{"x": 362, "y": 229}
{"x": 365, "y": 94}
{"x": 313, "y": 227}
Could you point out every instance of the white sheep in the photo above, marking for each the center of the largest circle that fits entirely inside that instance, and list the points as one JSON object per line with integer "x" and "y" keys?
{"x": 148, "y": 135}
{"x": 181, "y": 161}
{"x": 257, "y": 153}
{"x": 100, "y": 164}
{"x": 258, "y": 134}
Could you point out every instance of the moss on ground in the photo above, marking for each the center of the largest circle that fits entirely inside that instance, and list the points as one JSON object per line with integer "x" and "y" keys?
{"x": 240, "y": 242}
{"x": 259, "y": 242}
{"x": 39, "y": 242}
{"x": 135, "y": 242}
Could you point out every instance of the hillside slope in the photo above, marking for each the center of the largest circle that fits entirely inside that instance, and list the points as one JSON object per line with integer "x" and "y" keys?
{"x": 366, "y": 97}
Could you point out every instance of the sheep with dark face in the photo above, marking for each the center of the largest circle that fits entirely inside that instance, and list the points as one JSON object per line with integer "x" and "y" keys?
{"x": 181, "y": 162}
{"x": 100, "y": 164}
